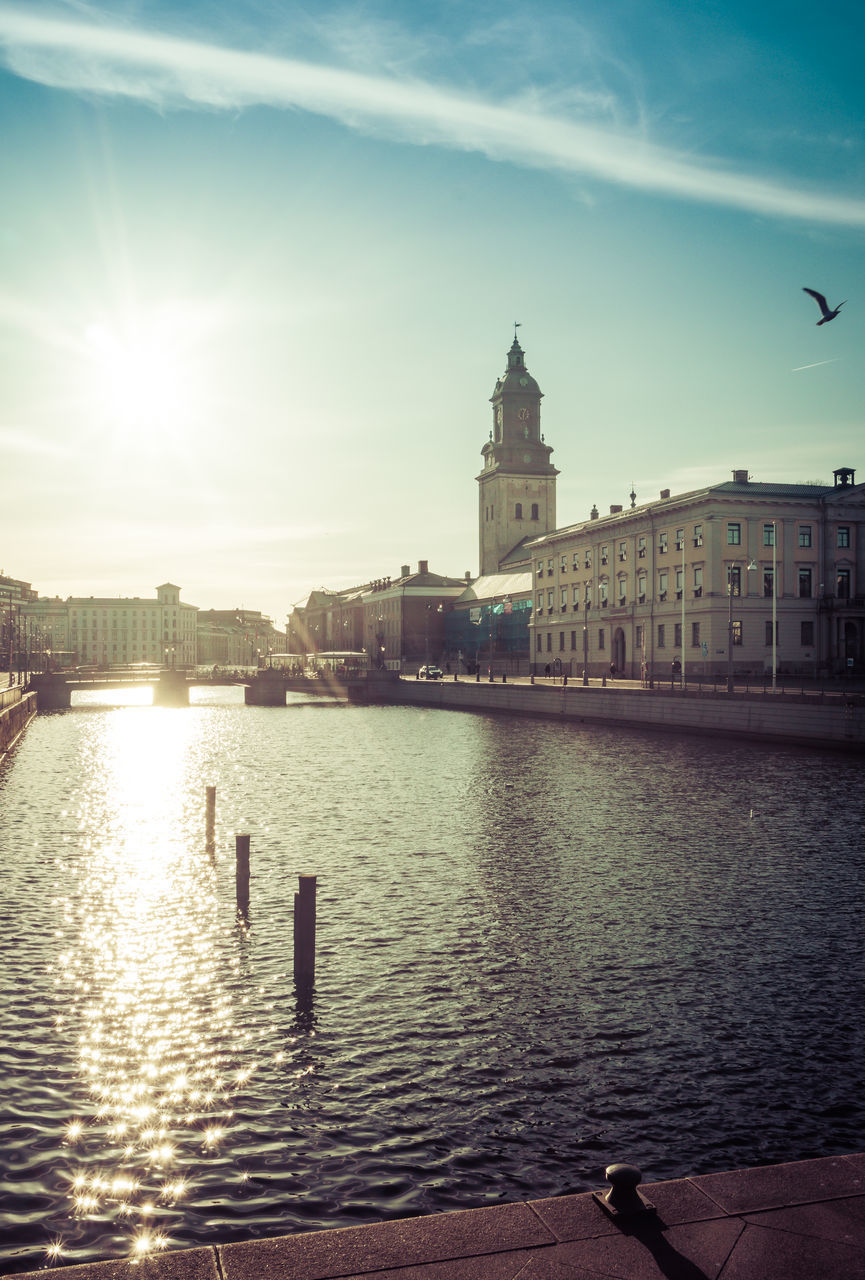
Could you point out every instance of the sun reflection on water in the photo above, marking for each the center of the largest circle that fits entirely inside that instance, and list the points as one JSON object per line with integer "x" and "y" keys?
{"x": 143, "y": 974}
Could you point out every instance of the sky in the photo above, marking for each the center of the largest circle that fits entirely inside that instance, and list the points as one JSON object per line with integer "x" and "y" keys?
{"x": 261, "y": 261}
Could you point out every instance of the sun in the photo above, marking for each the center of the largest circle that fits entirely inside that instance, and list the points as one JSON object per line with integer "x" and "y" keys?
{"x": 142, "y": 374}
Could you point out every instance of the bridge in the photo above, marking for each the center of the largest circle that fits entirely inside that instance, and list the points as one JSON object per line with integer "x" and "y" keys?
{"x": 265, "y": 688}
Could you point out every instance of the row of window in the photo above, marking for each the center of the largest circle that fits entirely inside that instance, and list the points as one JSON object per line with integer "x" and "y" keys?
{"x": 806, "y": 636}
{"x": 582, "y": 592}
{"x": 734, "y": 534}
{"x": 583, "y": 559}
{"x": 490, "y": 511}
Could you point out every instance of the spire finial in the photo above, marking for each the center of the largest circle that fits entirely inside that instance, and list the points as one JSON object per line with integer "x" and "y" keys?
{"x": 517, "y": 325}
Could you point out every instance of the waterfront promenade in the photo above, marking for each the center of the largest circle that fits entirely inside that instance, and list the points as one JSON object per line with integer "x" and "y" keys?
{"x": 804, "y": 716}
{"x": 799, "y": 1221}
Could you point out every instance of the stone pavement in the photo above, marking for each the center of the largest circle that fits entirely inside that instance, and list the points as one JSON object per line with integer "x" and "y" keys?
{"x": 801, "y": 1221}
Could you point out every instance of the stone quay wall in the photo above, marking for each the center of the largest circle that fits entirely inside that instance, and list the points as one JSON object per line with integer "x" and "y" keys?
{"x": 835, "y": 722}
{"x": 17, "y": 709}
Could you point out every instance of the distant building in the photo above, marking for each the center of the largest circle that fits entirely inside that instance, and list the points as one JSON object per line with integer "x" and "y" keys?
{"x": 123, "y": 631}
{"x": 691, "y": 577}
{"x": 488, "y": 627}
{"x": 398, "y": 622}
{"x": 236, "y": 638}
{"x": 16, "y": 597}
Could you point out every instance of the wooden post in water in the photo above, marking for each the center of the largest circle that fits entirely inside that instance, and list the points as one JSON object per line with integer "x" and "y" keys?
{"x": 241, "y": 851}
{"x": 304, "y": 931}
{"x": 210, "y": 822}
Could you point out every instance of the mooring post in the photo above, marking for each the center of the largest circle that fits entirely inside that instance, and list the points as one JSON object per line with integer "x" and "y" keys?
{"x": 304, "y": 930}
{"x": 241, "y": 853}
{"x": 210, "y": 822}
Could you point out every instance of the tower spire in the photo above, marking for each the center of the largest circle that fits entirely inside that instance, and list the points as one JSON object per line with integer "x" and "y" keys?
{"x": 517, "y": 485}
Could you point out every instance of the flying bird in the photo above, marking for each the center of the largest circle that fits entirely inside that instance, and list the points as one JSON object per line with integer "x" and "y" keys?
{"x": 826, "y": 311}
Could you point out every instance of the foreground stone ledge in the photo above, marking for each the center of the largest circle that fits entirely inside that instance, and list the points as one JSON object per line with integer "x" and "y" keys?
{"x": 799, "y": 1221}
{"x": 320, "y": 1255}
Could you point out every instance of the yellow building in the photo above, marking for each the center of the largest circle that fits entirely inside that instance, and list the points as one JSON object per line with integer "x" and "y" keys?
{"x": 111, "y": 632}
{"x": 699, "y": 578}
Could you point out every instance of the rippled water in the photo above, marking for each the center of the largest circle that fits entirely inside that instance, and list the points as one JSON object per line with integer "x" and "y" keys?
{"x": 542, "y": 947}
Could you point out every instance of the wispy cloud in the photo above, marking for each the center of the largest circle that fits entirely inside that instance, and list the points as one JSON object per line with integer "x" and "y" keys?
{"x": 22, "y": 441}
{"x": 815, "y": 365}
{"x": 168, "y": 71}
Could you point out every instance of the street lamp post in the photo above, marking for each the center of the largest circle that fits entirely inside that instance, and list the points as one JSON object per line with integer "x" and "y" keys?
{"x": 774, "y": 605}
{"x": 751, "y": 566}
{"x": 682, "y": 636}
{"x": 586, "y": 641}
{"x": 492, "y": 642}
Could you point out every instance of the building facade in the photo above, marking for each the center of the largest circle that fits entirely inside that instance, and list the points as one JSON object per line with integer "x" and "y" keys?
{"x": 707, "y": 579}
{"x": 108, "y": 632}
{"x": 398, "y": 622}
{"x": 236, "y": 638}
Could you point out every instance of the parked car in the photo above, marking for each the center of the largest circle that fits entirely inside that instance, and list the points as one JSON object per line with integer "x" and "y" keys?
{"x": 430, "y": 673}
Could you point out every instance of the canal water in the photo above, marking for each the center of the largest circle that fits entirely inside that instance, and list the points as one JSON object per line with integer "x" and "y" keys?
{"x": 543, "y": 947}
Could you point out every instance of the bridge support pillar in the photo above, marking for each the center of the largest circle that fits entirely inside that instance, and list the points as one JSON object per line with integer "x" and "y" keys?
{"x": 265, "y": 689}
{"x": 171, "y": 690}
{"x": 52, "y": 692}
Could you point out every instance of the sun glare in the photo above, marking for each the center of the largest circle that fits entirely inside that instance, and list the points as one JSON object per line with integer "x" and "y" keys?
{"x": 143, "y": 370}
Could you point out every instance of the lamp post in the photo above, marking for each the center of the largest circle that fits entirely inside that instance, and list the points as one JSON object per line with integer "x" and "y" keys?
{"x": 774, "y": 605}
{"x": 682, "y": 637}
{"x": 586, "y": 641}
{"x": 734, "y": 564}
{"x": 492, "y": 641}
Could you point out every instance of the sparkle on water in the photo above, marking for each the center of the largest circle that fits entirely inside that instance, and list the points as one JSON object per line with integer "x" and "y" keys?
{"x": 542, "y": 948}
{"x": 159, "y": 1041}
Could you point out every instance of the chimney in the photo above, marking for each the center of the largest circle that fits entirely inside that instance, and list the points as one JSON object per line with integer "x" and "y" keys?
{"x": 423, "y": 566}
{"x": 405, "y": 571}
{"x": 593, "y": 514}
{"x": 615, "y": 508}
{"x": 468, "y": 575}
{"x": 740, "y": 477}
{"x": 665, "y": 493}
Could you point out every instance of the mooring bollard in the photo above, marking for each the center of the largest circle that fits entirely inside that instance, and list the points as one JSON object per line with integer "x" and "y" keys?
{"x": 210, "y": 822}
{"x": 241, "y": 875}
{"x": 623, "y": 1200}
{"x": 304, "y": 930}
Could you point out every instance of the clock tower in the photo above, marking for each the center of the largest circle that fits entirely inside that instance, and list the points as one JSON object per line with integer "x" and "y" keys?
{"x": 517, "y": 487}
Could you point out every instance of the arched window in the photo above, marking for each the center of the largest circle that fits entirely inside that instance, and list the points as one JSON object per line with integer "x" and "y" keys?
{"x": 535, "y": 515}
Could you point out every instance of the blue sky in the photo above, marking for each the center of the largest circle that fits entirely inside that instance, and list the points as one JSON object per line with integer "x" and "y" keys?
{"x": 261, "y": 263}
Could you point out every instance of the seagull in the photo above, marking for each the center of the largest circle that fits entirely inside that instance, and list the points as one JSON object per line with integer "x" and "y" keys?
{"x": 825, "y": 310}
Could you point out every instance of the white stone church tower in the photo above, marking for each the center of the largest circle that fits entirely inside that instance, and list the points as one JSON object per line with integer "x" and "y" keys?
{"x": 517, "y": 487}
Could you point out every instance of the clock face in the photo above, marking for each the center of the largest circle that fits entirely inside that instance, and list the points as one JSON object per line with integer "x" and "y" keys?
{"x": 524, "y": 382}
